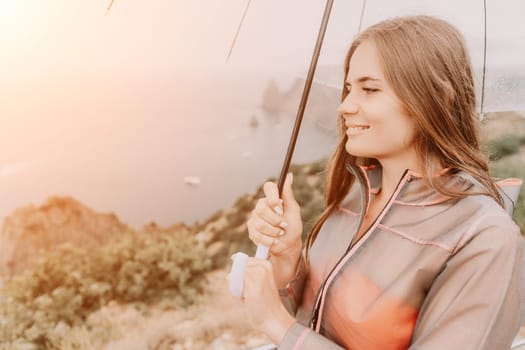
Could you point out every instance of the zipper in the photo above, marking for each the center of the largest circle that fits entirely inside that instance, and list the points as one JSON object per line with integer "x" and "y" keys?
{"x": 358, "y": 174}
{"x": 315, "y": 316}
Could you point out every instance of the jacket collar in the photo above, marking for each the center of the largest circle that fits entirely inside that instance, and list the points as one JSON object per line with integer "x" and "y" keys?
{"x": 416, "y": 191}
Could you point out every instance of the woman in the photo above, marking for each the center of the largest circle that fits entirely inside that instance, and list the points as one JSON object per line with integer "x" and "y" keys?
{"x": 415, "y": 249}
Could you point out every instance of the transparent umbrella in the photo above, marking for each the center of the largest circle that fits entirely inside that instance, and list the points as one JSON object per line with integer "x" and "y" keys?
{"x": 495, "y": 35}
{"x": 494, "y": 31}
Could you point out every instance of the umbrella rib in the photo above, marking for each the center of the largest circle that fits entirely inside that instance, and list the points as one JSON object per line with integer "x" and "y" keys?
{"x": 361, "y": 18}
{"x": 238, "y": 30}
{"x": 482, "y": 102}
{"x": 109, "y": 7}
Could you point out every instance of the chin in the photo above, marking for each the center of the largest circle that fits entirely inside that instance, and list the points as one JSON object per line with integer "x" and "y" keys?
{"x": 357, "y": 151}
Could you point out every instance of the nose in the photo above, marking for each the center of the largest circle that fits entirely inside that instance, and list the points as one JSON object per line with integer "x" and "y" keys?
{"x": 348, "y": 107}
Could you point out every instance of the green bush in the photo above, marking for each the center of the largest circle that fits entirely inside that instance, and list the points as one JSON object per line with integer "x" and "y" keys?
{"x": 503, "y": 146}
{"x": 69, "y": 283}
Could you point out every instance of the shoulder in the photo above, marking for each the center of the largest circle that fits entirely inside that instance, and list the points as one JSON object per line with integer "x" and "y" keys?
{"x": 487, "y": 224}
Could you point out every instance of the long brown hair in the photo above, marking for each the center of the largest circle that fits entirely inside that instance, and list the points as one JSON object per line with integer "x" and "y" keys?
{"x": 425, "y": 61}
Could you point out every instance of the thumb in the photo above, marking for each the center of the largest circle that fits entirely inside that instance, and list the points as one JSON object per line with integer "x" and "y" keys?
{"x": 287, "y": 193}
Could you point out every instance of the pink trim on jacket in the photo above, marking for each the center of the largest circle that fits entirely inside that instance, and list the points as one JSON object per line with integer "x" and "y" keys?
{"x": 509, "y": 182}
{"x": 347, "y": 211}
{"x": 438, "y": 174}
{"x": 472, "y": 230}
{"x": 415, "y": 240}
{"x": 425, "y": 204}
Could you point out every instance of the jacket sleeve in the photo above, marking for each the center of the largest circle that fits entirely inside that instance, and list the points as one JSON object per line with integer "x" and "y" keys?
{"x": 291, "y": 294}
{"x": 475, "y": 302}
{"x": 304, "y": 338}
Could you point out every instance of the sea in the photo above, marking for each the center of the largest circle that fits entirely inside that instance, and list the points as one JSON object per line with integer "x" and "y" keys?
{"x": 168, "y": 150}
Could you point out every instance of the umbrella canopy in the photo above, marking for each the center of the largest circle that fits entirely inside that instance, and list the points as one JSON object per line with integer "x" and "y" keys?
{"x": 504, "y": 88}
{"x": 498, "y": 57}
{"x": 495, "y": 38}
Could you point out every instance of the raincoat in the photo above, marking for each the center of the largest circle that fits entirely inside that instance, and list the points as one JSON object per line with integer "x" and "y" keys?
{"x": 432, "y": 272}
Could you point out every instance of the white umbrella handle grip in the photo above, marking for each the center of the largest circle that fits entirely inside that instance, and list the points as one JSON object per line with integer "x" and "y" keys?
{"x": 239, "y": 265}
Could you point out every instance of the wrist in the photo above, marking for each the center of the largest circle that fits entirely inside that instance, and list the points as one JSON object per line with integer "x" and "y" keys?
{"x": 277, "y": 327}
{"x": 291, "y": 257}
{"x": 287, "y": 268}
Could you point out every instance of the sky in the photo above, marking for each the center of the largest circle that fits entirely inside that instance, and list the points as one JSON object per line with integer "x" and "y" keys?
{"x": 155, "y": 37}
{"x": 79, "y": 86}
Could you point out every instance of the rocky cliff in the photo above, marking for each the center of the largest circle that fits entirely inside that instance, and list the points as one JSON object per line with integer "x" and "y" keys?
{"x": 32, "y": 230}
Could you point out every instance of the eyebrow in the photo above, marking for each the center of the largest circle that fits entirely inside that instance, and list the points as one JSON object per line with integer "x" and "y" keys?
{"x": 364, "y": 79}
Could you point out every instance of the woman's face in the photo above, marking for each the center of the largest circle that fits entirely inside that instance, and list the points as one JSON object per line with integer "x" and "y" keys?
{"x": 377, "y": 125}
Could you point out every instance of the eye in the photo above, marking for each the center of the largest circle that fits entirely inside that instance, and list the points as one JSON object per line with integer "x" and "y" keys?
{"x": 369, "y": 90}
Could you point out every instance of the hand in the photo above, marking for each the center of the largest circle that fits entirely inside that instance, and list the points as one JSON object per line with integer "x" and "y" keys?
{"x": 264, "y": 309}
{"x": 277, "y": 223}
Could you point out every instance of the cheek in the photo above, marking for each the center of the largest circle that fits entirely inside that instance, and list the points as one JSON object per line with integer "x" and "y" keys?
{"x": 398, "y": 132}
{"x": 409, "y": 135}
{"x": 411, "y": 131}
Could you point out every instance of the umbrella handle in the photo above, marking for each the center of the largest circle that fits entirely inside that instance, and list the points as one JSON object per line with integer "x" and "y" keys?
{"x": 239, "y": 265}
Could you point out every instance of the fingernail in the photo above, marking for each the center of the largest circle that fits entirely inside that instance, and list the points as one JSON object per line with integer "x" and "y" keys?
{"x": 275, "y": 241}
{"x": 278, "y": 210}
{"x": 281, "y": 233}
{"x": 283, "y": 224}
{"x": 291, "y": 177}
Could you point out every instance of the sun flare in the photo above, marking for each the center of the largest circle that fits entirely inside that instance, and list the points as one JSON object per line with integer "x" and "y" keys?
{"x": 17, "y": 19}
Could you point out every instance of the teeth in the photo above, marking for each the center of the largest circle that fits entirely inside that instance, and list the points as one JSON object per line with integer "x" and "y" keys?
{"x": 356, "y": 128}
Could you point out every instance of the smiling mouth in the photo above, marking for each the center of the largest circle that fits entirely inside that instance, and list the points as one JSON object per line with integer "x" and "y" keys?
{"x": 356, "y": 129}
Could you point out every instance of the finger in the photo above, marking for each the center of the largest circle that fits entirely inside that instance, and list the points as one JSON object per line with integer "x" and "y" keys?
{"x": 277, "y": 247}
{"x": 266, "y": 229}
{"x": 263, "y": 211}
{"x": 255, "y": 223}
{"x": 271, "y": 192}
{"x": 257, "y": 269}
{"x": 259, "y": 238}
{"x": 287, "y": 194}
{"x": 258, "y": 263}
